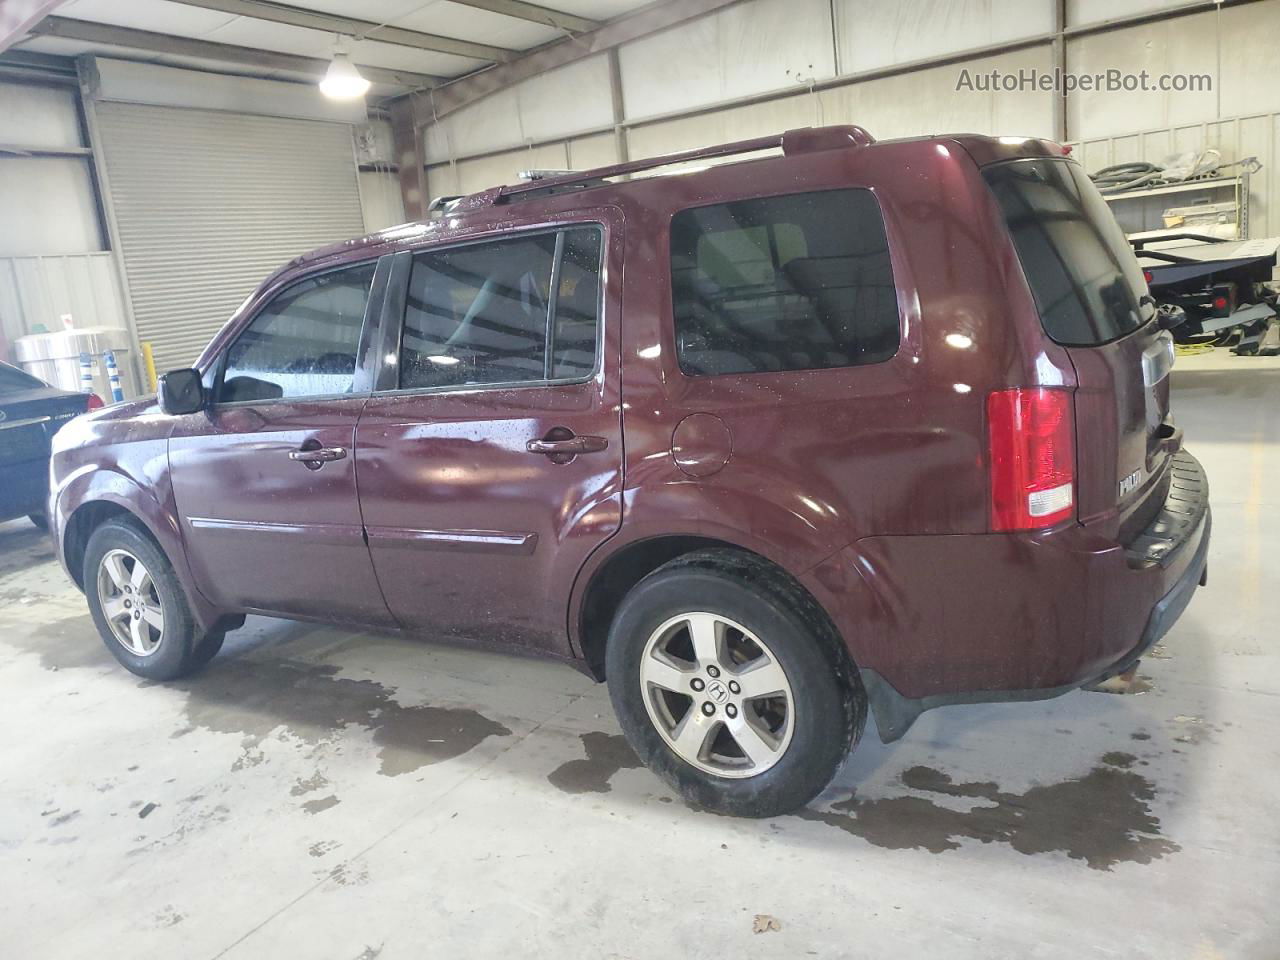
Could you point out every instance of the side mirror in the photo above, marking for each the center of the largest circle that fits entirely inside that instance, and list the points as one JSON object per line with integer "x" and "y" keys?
{"x": 181, "y": 391}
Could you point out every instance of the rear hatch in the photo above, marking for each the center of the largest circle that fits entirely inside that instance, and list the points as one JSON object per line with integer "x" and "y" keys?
{"x": 1093, "y": 301}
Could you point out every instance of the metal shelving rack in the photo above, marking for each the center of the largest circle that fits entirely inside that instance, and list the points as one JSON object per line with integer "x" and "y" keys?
{"x": 1208, "y": 186}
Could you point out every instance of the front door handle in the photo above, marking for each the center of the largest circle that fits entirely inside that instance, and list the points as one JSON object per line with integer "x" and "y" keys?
{"x": 317, "y": 457}
{"x": 569, "y": 446}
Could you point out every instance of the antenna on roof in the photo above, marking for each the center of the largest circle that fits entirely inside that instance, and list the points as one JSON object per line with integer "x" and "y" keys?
{"x": 441, "y": 204}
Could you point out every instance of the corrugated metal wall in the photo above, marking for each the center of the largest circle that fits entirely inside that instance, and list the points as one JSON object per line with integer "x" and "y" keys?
{"x": 39, "y": 290}
{"x": 208, "y": 203}
{"x": 1237, "y": 138}
{"x": 745, "y": 70}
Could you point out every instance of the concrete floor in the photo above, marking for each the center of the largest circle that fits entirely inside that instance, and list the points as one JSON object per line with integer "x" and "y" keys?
{"x": 323, "y": 794}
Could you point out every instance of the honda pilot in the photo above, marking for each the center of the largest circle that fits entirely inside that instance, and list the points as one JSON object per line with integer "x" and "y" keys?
{"x": 835, "y": 427}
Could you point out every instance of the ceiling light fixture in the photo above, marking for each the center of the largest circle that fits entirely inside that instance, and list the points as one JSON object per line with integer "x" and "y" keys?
{"x": 342, "y": 81}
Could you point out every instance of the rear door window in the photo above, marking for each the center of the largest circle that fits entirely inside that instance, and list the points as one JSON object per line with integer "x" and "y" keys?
{"x": 797, "y": 282}
{"x": 1082, "y": 272}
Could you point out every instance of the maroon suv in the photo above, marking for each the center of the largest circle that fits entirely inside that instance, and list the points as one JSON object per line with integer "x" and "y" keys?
{"x": 848, "y": 425}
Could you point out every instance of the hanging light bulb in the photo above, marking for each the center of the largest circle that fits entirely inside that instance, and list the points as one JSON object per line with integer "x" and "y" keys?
{"x": 342, "y": 81}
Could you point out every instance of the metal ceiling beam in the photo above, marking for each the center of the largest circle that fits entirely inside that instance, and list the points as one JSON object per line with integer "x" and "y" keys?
{"x": 533, "y": 13}
{"x": 460, "y": 93}
{"x": 17, "y": 17}
{"x": 164, "y": 43}
{"x": 29, "y": 66}
{"x": 365, "y": 29}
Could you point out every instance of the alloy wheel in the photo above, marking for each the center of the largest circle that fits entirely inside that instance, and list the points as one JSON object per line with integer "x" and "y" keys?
{"x": 717, "y": 695}
{"x": 130, "y": 602}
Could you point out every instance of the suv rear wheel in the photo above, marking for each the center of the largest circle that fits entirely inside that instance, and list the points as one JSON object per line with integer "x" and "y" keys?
{"x": 727, "y": 684}
{"x": 138, "y": 605}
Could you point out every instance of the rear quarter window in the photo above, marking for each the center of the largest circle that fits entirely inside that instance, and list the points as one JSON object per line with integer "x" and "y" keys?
{"x": 1081, "y": 269}
{"x": 797, "y": 282}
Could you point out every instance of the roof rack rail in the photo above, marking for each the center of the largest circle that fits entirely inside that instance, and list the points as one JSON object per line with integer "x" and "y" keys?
{"x": 803, "y": 140}
{"x": 541, "y": 174}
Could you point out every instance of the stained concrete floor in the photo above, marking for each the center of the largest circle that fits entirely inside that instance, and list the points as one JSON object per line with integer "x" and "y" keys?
{"x": 324, "y": 794}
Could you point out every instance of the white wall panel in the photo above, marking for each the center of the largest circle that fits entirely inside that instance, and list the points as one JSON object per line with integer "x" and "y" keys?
{"x": 567, "y": 100}
{"x": 47, "y": 206}
{"x": 1236, "y": 138}
{"x": 876, "y": 105}
{"x": 1248, "y": 36}
{"x": 926, "y": 101}
{"x": 1250, "y": 41}
{"x": 33, "y": 116}
{"x": 470, "y": 176}
{"x": 380, "y": 200}
{"x": 587, "y": 152}
{"x": 557, "y": 103}
{"x": 37, "y": 291}
{"x": 736, "y": 123}
{"x": 749, "y": 48}
{"x": 1094, "y": 11}
{"x": 874, "y": 33}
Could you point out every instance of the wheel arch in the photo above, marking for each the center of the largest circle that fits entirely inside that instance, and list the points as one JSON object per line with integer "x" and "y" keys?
{"x": 103, "y": 495}
{"x": 84, "y": 520}
{"x": 609, "y": 576}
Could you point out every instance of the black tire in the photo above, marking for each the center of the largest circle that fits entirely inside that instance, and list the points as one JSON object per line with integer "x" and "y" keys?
{"x": 182, "y": 646}
{"x": 830, "y": 704}
{"x": 40, "y": 520}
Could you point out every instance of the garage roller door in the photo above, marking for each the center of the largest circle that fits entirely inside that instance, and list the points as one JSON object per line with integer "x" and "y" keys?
{"x": 208, "y": 203}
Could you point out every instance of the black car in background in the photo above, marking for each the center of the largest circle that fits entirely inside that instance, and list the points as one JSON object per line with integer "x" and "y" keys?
{"x": 31, "y": 412}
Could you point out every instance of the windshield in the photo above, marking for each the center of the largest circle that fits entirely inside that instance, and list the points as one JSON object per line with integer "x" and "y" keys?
{"x": 13, "y": 380}
{"x": 1085, "y": 279}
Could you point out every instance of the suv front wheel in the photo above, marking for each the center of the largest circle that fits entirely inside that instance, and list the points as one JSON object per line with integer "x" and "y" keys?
{"x": 727, "y": 683}
{"x": 138, "y": 605}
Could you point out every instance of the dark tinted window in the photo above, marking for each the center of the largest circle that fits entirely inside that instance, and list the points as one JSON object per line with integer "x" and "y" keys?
{"x": 1081, "y": 269}
{"x": 480, "y": 313}
{"x": 573, "y": 348}
{"x": 799, "y": 282}
{"x": 13, "y": 380}
{"x": 303, "y": 343}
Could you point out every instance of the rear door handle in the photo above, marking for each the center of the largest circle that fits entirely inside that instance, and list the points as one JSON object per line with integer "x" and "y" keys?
{"x": 318, "y": 456}
{"x": 570, "y": 446}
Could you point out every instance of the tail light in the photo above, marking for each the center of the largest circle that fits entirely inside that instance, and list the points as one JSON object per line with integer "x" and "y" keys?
{"x": 95, "y": 402}
{"x": 1031, "y": 442}
{"x": 1224, "y": 299}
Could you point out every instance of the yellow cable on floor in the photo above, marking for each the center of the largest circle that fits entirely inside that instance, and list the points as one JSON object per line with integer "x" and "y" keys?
{"x": 1192, "y": 349}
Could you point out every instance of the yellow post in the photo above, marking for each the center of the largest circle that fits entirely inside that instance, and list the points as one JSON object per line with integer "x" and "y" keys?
{"x": 149, "y": 361}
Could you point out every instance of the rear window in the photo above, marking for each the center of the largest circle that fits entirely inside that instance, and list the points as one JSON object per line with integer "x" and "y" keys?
{"x": 800, "y": 282}
{"x": 1085, "y": 279}
{"x": 13, "y": 380}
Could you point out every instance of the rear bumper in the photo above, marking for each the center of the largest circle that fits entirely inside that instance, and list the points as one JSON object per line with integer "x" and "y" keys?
{"x": 984, "y": 618}
{"x": 1167, "y": 611}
